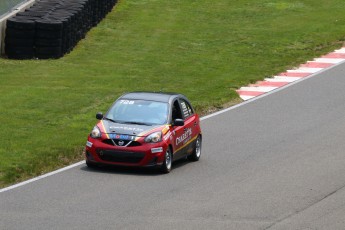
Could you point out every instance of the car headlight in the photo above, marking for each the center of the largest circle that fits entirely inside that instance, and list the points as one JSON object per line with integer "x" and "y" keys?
{"x": 154, "y": 137}
{"x": 95, "y": 133}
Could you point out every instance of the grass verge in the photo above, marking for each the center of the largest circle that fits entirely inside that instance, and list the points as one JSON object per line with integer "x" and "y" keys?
{"x": 203, "y": 49}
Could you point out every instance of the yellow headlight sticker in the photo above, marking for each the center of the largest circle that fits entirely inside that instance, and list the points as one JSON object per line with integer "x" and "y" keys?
{"x": 166, "y": 129}
{"x": 104, "y": 130}
{"x": 148, "y": 131}
{"x": 145, "y": 133}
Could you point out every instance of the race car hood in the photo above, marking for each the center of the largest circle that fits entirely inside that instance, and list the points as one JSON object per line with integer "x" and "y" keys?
{"x": 110, "y": 127}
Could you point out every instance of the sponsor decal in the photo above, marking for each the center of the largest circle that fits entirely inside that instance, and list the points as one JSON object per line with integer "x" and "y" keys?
{"x": 184, "y": 109}
{"x": 186, "y": 136}
{"x": 157, "y": 150}
{"x": 189, "y": 140}
{"x": 120, "y": 136}
{"x": 125, "y": 128}
{"x": 187, "y": 111}
{"x": 89, "y": 144}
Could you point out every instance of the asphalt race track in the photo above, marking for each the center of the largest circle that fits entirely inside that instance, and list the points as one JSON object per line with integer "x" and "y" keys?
{"x": 277, "y": 162}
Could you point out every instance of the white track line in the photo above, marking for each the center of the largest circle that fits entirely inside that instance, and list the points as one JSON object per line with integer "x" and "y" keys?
{"x": 41, "y": 177}
{"x": 282, "y": 79}
{"x": 342, "y": 50}
{"x": 258, "y": 89}
{"x": 246, "y": 98}
{"x": 329, "y": 60}
{"x": 305, "y": 70}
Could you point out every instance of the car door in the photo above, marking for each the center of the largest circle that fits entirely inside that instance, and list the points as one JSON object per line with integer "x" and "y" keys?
{"x": 183, "y": 136}
{"x": 177, "y": 131}
{"x": 190, "y": 125}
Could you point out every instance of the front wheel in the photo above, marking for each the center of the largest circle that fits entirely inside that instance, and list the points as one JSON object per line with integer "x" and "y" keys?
{"x": 167, "y": 163}
{"x": 90, "y": 164}
{"x": 195, "y": 156}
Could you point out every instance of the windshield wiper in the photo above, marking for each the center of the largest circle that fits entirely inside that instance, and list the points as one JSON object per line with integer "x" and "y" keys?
{"x": 127, "y": 122}
{"x": 105, "y": 118}
{"x": 136, "y": 123}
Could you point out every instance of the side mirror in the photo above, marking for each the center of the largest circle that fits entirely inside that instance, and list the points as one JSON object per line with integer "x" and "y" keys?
{"x": 99, "y": 115}
{"x": 178, "y": 122}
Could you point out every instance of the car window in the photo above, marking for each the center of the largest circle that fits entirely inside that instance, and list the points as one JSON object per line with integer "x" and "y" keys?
{"x": 186, "y": 108}
{"x": 140, "y": 111}
{"x": 176, "y": 111}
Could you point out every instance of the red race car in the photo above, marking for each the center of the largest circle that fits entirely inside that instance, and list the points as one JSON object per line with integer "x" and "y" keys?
{"x": 145, "y": 129}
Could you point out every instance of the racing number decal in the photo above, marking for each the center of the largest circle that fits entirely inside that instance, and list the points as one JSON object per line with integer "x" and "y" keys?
{"x": 126, "y": 102}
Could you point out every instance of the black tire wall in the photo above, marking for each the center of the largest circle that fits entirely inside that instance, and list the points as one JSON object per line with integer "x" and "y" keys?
{"x": 52, "y": 28}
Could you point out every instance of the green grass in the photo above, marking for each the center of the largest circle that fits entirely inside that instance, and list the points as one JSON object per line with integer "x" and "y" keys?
{"x": 201, "y": 48}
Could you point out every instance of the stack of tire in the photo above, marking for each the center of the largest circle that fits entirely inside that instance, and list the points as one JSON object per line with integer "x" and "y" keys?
{"x": 52, "y": 28}
{"x": 20, "y": 38}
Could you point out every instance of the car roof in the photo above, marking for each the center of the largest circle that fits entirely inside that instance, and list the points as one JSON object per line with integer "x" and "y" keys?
{"x": 152, "y": 96}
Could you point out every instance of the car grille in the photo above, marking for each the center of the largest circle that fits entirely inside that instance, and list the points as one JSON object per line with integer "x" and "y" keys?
{"x": 124, "y": 143}
{"x": 120, "y": 156}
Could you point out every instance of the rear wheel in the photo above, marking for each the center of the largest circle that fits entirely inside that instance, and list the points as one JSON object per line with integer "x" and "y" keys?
{"x": 195, "y": 156}
{"x": 167, "y": 163}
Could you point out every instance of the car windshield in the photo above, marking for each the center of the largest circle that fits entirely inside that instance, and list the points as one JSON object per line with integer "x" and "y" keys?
{"x": 140, "y": 112}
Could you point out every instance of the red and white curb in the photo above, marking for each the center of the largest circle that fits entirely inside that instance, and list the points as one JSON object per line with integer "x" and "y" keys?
{"x": 282, "y": 79}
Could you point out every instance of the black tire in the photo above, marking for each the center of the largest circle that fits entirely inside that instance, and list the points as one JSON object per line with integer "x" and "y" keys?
{"x": 49, "y": 25}
{"x": 21, "y": 23}
{"x": 20, "y": 56}
{"x": 48, "y": 34}
{"x": 19, "y": 33}
{"x": 41, "y": 42}
{"x": 33, "y": 13}
{"x": 91, "y": 165}
{"x": 19, "y": 50}
{"x": 53, "y": 50}
{"x": 167, "y": 163}
{"x": 48, "y": 56}
{"x": 195, "y": 156}
{"x": 19, "y": 42}
{"x": 48, "y": 52}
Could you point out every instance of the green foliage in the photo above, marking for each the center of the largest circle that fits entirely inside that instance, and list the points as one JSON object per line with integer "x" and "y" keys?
{"x": 201, "y": 48}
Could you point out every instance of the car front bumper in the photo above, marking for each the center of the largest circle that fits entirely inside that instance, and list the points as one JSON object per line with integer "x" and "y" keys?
{"x": 145, "y": 155}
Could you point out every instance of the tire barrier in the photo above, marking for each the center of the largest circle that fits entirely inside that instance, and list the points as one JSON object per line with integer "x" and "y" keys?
{"x": 52, "y": 28}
